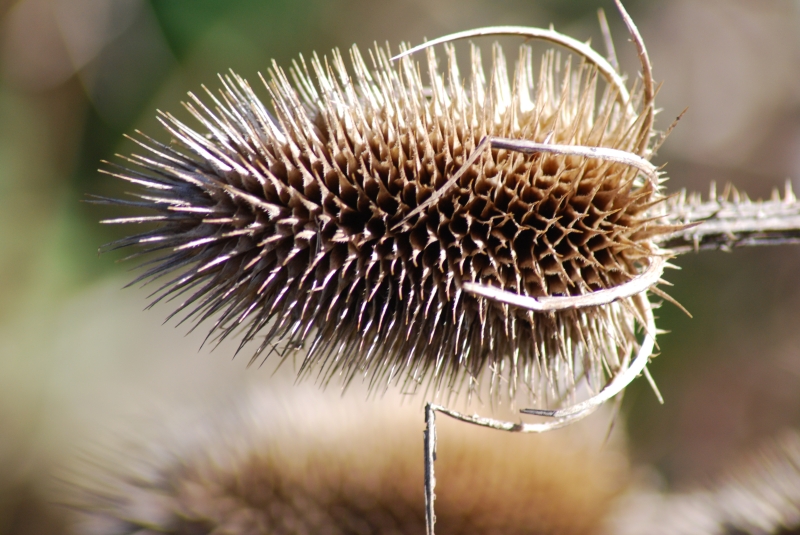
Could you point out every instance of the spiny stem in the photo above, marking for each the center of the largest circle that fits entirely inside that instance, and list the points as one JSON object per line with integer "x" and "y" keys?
{"x": 731, "y": 220}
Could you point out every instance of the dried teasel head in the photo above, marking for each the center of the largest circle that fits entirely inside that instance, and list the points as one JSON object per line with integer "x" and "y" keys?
{"x": 418, "y": 229}
{"x": 293, "y": 460}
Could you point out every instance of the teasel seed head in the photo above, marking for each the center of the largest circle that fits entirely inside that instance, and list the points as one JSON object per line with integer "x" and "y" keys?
{"x": 362, "y": 219}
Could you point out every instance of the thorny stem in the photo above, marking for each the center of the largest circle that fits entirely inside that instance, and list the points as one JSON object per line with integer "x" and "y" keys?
{"x": 731, "y": 220}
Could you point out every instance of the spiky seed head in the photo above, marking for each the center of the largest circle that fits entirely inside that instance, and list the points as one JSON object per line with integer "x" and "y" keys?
{"x": 308, "y": 225}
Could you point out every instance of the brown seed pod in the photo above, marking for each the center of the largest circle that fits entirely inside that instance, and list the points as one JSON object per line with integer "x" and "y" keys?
{"x": 297, "y": 461}
{"x": 414, "y": 229}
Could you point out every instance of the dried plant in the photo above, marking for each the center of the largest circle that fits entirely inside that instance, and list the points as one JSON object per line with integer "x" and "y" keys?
{"x": 445, "y": 233}
{"x": 295, "y": 461}
{"x": 387, "y": 225}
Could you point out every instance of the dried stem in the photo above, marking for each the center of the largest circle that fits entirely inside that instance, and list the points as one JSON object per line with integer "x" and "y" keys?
{"x": 731, "y": 220}
{"x": 430, "y": 457}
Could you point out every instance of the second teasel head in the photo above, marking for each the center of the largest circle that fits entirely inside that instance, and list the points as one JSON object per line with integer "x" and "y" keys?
{"x": 358, "y": 217}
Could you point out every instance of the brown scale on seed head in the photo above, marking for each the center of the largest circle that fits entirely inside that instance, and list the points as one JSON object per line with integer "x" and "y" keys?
{"x": 331, "y": 224}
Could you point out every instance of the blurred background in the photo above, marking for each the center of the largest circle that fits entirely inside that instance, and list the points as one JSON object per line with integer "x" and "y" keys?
{"x": 79, "y": 357}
